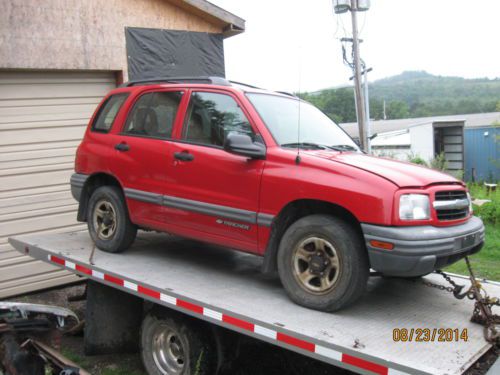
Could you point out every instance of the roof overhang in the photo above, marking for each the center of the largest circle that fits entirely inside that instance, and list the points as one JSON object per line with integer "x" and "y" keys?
{"x": 229, "y": 23}
{"x": 449, "y": 123}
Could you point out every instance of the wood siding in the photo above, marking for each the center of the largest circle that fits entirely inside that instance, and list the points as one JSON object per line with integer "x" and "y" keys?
{"x": 81, "y": 35}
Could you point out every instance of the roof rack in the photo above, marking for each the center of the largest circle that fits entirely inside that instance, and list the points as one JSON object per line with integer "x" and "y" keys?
{"x": 210, "y": 80}
{"x": 244, "y": 84}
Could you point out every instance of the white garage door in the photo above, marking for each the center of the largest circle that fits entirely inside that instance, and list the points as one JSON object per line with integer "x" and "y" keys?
{"x": 42, "y": 119}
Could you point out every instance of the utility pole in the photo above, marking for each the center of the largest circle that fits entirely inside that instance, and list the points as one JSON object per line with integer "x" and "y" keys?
{"x": 368, "y": 133}
{"x": 355, "y": 6}
{"x": 361, "y": 115}
{"x": 367, "y": 110}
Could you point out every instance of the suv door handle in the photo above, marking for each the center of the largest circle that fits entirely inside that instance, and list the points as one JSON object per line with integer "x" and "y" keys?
{"x": 184, "y": 156}
{"x": 122, "y": 147}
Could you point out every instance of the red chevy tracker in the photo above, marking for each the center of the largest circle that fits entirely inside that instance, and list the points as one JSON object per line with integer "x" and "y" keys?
{"x": 229, "y": 164}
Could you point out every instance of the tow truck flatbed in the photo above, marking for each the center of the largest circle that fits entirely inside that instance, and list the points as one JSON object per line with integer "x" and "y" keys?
{"x": 226, "y": 288}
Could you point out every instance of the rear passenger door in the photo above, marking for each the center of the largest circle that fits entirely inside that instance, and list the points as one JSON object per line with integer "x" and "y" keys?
{"x": 219, "y": 191}
{"x": 142, "y": 155}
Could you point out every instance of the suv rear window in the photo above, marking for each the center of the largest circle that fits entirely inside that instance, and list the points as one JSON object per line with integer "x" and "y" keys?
{"x": 153, "y": 115}
{"x": 107, "y": 113}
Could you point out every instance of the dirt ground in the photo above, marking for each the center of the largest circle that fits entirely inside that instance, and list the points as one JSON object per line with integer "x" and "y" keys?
{"x": 258, "y": 358}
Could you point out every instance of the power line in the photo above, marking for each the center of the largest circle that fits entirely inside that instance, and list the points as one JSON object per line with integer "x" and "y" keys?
{"x": 362, "y": 28}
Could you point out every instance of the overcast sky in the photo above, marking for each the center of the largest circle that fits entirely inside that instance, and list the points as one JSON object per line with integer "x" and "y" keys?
{"x": 293, "y": 44}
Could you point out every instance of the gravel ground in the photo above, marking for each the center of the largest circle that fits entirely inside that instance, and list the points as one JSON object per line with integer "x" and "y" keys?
{"x": 258, "y": 358}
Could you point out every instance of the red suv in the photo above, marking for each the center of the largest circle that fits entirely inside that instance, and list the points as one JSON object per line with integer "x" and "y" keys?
{"x": 265, "y": 173}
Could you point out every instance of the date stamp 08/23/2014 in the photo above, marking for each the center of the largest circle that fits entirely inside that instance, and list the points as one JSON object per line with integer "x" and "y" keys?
{"x": 429, "y": 335}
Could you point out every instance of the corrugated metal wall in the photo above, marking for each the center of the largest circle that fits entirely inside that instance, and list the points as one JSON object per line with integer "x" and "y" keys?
{"x": 42, "y": 118}
{"x": 482, "y": 153}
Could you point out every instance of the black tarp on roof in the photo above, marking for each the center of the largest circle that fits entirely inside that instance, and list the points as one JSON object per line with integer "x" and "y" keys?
{"x": 169, "y": 53}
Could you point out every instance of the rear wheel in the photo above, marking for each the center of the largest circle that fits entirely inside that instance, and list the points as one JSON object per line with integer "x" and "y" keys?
{"x": 175, "y": 344}
{"x": 108, "y": 221}
{"x": 322, "y": 263}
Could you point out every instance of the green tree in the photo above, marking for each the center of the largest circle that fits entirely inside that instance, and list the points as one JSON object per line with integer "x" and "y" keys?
{"x": 397, "y": 109}
{"x": 376, "y": 109}
{"x": 413, "y": 94}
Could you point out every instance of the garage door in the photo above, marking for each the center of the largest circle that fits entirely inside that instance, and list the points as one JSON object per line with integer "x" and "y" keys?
{"x": 42, "y": 119}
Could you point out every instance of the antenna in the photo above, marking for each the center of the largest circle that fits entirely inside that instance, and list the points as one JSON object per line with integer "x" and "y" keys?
{"x": 297, "y": 158}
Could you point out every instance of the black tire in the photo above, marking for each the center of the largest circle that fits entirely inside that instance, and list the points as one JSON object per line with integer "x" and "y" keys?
{"x": 124, "y": 232}
{"x": 346, "y": 274}
{"x": 183, "y": 340}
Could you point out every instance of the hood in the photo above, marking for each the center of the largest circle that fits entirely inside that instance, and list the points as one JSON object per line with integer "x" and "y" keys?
{"x": 400, "y": 173}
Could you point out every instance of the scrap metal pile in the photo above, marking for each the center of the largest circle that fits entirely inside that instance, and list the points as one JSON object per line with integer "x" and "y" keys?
{"x": 27, "y": 334}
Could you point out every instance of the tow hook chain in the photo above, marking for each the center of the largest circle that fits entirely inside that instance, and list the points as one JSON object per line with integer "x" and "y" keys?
{"x": 454, "y": 288}
{"x": 482, "y": 313}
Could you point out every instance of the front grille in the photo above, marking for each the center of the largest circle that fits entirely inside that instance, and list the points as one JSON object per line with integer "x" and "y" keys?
{"x": 450, "y": 195}
{"x": 450, "y": 213}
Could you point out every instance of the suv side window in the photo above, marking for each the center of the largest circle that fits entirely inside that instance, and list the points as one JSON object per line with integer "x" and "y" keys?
{"x": 107, "y": 113}
{"x": 211, "y": 117}
{"x": 153, "y": 115}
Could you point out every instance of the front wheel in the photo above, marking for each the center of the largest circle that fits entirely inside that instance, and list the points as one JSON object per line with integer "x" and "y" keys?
{"x": 108, "y": 221}
{"x": 322, "y": 263}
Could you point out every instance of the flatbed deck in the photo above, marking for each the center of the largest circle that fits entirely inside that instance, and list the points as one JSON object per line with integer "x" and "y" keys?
{"x": 226, "y": 288}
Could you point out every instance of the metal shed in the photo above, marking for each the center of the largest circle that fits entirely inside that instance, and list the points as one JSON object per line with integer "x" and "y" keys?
{"x": 465, "y": 148}
{"x": 426, "y": 140}
{"x": 482, "y": 154}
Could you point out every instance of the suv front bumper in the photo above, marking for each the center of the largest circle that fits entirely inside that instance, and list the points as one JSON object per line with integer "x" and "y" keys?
{"x": 419, "y": 250}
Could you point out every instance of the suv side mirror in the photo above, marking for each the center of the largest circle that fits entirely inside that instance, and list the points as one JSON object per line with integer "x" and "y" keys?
{"x": 242, "y": 144}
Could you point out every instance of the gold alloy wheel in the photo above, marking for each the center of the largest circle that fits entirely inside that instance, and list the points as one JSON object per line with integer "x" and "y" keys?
{"x": 104, "y": 219}
{"x": 316, "y": 265}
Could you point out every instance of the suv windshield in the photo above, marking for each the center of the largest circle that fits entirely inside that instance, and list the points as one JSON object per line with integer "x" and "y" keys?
{"x": 317, "y": 131}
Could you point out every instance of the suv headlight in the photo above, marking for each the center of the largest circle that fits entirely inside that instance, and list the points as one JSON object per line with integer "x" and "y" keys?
{"x": 414, "y": 207}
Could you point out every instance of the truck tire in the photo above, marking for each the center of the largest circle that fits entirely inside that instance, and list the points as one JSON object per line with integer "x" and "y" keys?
{"x": 322, "y": 263}
{"x": 107, "y": 209}
{"x": 172, "y": 343}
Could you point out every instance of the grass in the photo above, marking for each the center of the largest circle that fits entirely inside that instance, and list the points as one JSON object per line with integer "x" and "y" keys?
{"x": 79, "y": 360}
{"x": 478, "y": 191}
{"x": 486, "y": 263}
{"x": 120, "y": 371}
{"x": 87, "y": 364}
